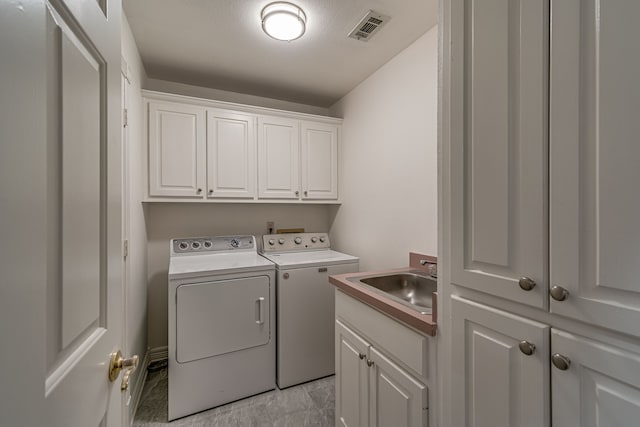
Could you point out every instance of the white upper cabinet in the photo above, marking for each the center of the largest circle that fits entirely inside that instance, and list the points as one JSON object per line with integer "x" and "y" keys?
{"x": 210, "y": 151}
{"x": 594, "y": 162}
{"x": 593, "y": 384}
{"x": 499, "y": 169}
{"x": 500, "y": 365}
{"x": 231, "y": 154}
{"x": 319, "y": 158}
{"x": 177, "y": 144}
{"x": 278, "y": 158}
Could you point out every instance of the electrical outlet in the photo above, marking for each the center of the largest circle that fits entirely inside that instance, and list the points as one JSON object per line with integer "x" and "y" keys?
{"x": 270, "y": 227}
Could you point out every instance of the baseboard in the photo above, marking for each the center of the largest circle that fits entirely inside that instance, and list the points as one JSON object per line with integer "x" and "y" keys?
{"x": 137, "y": 391}
{"x": 157, "y": 354}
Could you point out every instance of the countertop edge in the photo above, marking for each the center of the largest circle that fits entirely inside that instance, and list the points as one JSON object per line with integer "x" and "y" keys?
{"x": 422, "y": 322}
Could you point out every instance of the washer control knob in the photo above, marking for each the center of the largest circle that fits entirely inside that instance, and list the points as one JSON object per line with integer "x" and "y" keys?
{"x": 183, "y": 245}
{"x": 322, "y": 239}
{"x": 195, "y": 245}
{"x": 314, "y": 239}
{"x": 298, "y": 240}
{"x": 272, "y": 242}
{"x": 235, "y": 243}
{"x": 207, "y": 244}
{"x": 281, "y": 241}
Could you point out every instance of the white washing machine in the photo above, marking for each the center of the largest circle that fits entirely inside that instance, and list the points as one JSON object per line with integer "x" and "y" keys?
{"x": 305, "y": 303}
{"x": 221, "y": 323}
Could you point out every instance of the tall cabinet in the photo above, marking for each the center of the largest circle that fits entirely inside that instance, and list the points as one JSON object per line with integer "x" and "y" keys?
{"x": 541, "y": 156}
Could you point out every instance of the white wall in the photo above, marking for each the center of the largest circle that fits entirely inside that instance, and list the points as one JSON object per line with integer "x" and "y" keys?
{"x": 388, "y": 161}
{"x": 135, "y": 333}
{"x": 172, "y": 220}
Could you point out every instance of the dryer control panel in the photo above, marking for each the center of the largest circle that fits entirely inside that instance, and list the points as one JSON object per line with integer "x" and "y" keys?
{"x": 294, "y": 242}
{"x": 193, "y": 245}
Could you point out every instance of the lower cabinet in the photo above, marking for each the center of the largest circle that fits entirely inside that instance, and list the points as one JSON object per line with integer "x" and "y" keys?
{"x": 592, "y": 383}
{"x": 371, "y": 389}
{"x": 501, "y": 366}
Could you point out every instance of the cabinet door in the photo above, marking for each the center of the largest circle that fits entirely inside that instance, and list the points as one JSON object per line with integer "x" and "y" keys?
{"x": 319, "y": 161}
{"x": 176, "y": 150}
{"x": 396, "y": 399}
{"x": 601, "y": 386}
{"x": 278, "y": 158}
{"x": 499, "y": 167}
{"x": 594, "y": 128}
{"x": 494, "y": 383}
{"x": 352, "y": 378}
{"x": 231, "y": 154}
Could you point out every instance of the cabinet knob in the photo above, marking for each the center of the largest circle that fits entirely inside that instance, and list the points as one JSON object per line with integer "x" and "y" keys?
{"x": 560, "y": 361}
{"x": 526, "y": 284}
{"x": 527, "y": 348}
{"x": 210, "y": 191}
{"x": 361, "y": 356}
{"x": 559, "y": 293}
{"x": 297, "y": 193}
{"x": 370, "y": 363}
{"x": 305, "y": 192}
{"x": 199, "y": 190}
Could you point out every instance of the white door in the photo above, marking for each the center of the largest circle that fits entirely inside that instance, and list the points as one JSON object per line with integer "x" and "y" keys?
{"x": 352, "y": 378}
{"x": 319, "y": 160}
{"x": 278, "y": 158}
{"x": 594, "y": 154}
{"x": 593, "y": 384}
{"x": 396, "y": 399}
{"x": 177, "y": 144}
{"x": 498, "y": 379}
{"x": 498, "y": 187}
{"x": 231, "y": 154}
{"x": 62, "y": 283}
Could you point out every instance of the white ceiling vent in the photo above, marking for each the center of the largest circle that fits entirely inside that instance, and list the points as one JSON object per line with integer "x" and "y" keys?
{"x": 368, "y": 26}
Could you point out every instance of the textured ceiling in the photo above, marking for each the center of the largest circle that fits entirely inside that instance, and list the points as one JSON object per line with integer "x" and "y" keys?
{"x": 220, "y": 44}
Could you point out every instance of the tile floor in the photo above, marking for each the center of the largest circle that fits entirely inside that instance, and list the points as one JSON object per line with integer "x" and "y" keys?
{"x": 311, "y": 404}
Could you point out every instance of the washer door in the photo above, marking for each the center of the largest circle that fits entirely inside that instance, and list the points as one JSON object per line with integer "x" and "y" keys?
{"x": 222, "y": 316}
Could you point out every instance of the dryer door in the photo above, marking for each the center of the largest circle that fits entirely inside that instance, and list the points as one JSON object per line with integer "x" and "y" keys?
{"x": 218, "y": 317}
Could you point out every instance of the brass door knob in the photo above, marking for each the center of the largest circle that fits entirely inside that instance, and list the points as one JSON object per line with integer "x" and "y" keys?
{"x": 118, "y": 363}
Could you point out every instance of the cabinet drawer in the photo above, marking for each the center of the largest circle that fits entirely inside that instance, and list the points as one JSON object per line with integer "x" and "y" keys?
{"x": 407, "y": 347}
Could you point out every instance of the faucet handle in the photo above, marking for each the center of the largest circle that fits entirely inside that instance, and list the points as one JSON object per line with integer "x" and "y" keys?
{"x": 432, "y": 267}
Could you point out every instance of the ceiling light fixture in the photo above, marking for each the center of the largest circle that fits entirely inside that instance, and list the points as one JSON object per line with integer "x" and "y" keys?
{"x": 283, "y": 21}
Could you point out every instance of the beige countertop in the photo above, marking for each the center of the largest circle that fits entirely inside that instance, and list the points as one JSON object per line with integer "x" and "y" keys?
{"x": 347, "y": 283}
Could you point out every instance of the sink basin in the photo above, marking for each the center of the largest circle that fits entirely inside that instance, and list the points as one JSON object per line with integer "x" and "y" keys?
{"x": 408, "y": 288}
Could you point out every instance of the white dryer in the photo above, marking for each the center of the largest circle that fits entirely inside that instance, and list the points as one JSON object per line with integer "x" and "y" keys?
{"x": 305, "y": 303}
{"x": 221, "y": 323}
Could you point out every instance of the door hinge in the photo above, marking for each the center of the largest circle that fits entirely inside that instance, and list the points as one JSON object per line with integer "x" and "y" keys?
{"x": 125, "y": 249}
{"x": 125, "y": 117}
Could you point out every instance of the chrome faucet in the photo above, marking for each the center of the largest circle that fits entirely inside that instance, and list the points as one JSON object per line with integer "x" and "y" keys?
{"x": 432, "y": 267}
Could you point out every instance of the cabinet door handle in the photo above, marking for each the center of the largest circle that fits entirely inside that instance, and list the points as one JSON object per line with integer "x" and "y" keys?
{"x": 370, "y": 363}
{"x": 199, "y": 191}
{"x": 526, "y": 284}
{"x": 305, "y": 192}
{"x": 210, "y": 191}
{"x": 560, "y": 361}
{"x": 559, "y": 293}
{"x": 527, "y": 348}
{"x": 362, "y": 356}
{"x": 297, "y": 193}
